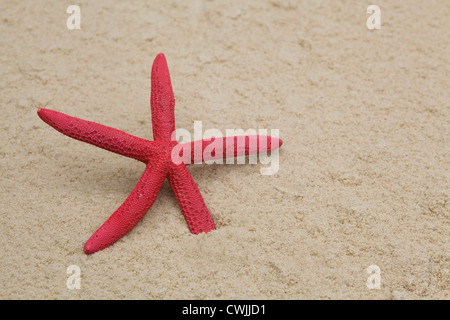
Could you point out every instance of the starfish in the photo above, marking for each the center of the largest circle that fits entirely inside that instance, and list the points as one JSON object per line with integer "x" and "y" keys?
{"x": 157, "y": 157}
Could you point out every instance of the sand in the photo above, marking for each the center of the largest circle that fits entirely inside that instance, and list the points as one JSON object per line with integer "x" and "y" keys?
{"x": 364, "y": 169}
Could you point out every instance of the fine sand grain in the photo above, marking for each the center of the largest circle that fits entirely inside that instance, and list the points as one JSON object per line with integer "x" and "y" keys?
{"x": 364, "y": 169}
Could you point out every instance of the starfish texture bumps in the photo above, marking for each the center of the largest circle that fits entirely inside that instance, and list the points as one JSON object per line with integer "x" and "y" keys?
{"x": 157, "y": 155}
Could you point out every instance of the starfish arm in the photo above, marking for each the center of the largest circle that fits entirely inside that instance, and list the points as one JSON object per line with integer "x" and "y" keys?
{"x": 190, "y": 200}
{"x": 238, "y": 146}
{"x": 130, "y": 212}
{"x": 99, "y": 135}
{"x": 162, "y": 100}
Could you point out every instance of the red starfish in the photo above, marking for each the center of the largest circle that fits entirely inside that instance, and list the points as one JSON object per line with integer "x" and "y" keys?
{"x": 157, "y": 157}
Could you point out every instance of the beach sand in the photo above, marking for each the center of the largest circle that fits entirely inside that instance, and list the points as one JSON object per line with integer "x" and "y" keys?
{"x": 364, "y": 168}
